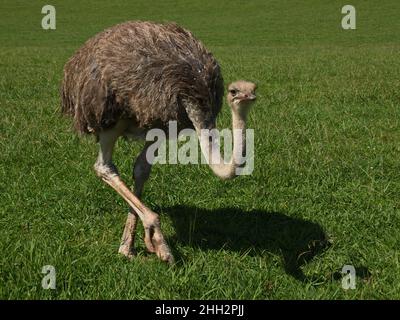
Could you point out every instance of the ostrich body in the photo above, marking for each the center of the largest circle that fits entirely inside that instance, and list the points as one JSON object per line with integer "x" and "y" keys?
{"x": 137, "y": 76}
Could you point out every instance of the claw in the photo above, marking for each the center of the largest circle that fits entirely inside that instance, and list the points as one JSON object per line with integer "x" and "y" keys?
{"x": 165, "y": 254}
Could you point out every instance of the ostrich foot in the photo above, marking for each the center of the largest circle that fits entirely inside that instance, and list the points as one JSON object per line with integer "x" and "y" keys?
{"x": 128, "y": 252}
{"x": 155, "y": 243}
{"x": 128, "y": 237}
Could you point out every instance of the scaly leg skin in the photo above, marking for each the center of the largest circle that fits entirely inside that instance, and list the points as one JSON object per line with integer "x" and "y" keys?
{"x": 141, "y": 172}
{"x": 127, "y": 247}
{"x": 154, "y": 238}
{"x": 105, "y": 169}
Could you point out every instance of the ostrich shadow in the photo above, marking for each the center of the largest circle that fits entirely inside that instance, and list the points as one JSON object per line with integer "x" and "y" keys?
{"x": 255, "y": 232}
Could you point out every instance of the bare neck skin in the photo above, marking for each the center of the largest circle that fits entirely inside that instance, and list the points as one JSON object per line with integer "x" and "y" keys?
{"x": 211, "y": 149}
{"x": 241, "y": 95}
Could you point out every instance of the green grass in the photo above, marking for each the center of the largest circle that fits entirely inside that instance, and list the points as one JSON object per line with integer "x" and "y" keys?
{"x": 324, "y": 192}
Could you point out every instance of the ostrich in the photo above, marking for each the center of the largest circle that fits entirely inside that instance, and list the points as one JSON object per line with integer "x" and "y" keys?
{"x": 137, "y": 76}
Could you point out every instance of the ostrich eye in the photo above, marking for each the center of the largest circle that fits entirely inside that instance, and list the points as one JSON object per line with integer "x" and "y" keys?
{"x": 233, "y": 92}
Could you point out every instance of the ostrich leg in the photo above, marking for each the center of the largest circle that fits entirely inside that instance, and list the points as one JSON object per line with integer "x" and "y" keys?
{"x": 128, "y": 237}
{"x": 141, "y": 172}
{"x": 141, "y": 169}
{"x": 106, "y": 170}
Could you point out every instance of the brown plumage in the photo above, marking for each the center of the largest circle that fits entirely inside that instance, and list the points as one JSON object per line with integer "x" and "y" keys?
{"x": 143, "y": 71}
{"x": 137, "y": 76}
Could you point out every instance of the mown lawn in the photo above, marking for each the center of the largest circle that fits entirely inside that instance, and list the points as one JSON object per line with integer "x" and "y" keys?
{"x": 324, "y": 192}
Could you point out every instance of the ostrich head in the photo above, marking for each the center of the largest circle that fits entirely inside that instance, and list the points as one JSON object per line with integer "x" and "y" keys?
{"x": 241, "y": 95}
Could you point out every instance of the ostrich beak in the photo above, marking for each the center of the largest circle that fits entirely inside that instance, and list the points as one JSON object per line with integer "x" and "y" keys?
{"x": 252, "y": 97}
{"x": 246, "y": 97}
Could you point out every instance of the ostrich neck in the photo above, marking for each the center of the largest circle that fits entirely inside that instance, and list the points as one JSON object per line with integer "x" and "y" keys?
{"x": 211, "y": 149}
